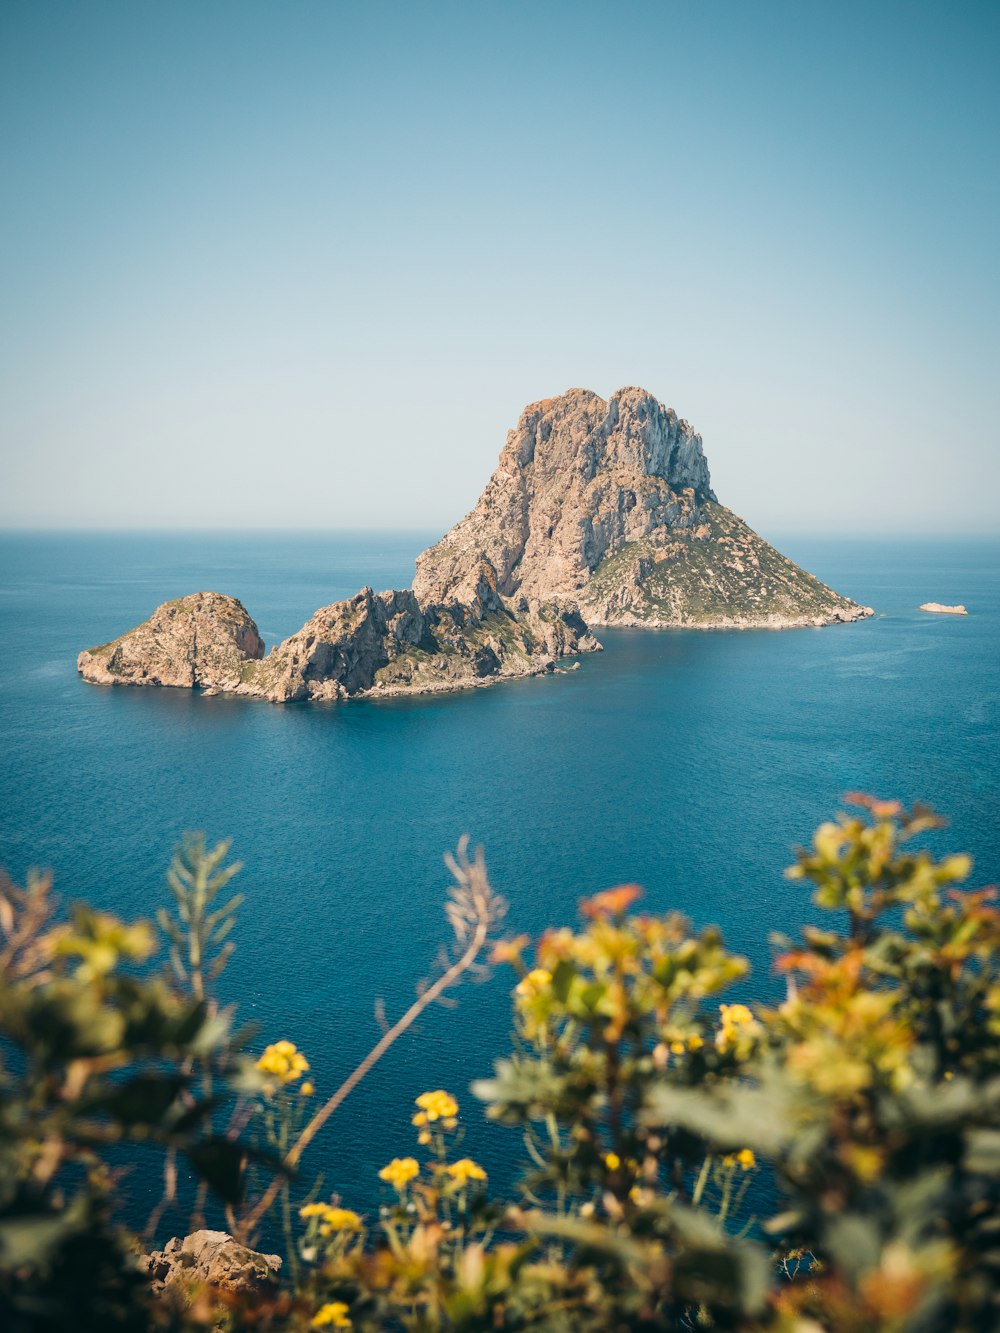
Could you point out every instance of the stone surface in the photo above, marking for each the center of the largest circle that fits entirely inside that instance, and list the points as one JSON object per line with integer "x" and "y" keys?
{"x": 944, "y": 610}
{"x": 199, "y": 641}
{"x": 609, "y": 505}
{"x": 208, "y": 1258}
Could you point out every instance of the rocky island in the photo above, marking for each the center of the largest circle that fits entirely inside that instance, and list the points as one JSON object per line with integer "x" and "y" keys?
{"x": 942, "y": 610}
{"x": 609, "y": 506}
{"x": 599, "y": 513}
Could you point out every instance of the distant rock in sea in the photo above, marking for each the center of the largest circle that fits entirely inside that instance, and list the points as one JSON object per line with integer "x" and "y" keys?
{"x": 202, "y": 641}
{"x": 944, "y": 610}
{"x": 599, "y": 513}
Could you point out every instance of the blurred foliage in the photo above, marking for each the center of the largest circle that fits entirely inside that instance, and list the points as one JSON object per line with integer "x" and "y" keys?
{"x": 96, "y": 1050}
{"x": 830, "y": 1164}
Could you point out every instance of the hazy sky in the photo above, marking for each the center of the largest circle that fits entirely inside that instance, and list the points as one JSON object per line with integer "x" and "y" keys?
{"x": 304, "y": 262}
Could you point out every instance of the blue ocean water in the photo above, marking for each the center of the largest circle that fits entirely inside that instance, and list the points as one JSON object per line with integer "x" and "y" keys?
{"x": 688, "y": 762}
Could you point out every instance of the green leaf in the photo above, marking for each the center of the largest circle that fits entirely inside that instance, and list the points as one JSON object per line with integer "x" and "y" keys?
{"x": 144, "y": 1099}
{"x": 562, "y": 980}
{"x": 221, "y": 1164}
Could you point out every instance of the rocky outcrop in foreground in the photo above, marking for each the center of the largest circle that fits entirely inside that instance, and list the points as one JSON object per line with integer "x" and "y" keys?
{"x": 207, "y": 1259}
{"x": 599, "y": 513}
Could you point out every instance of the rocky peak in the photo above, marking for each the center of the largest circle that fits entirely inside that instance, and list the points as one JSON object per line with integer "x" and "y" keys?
{"x": 609, "y": 506}
{"x": 644, "y": 436}
{"x": 580, "y": 432}
{"x": 577, "y": 478}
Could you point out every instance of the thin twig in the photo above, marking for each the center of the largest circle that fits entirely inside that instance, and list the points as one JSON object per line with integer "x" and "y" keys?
{"x": 484, "y": 919}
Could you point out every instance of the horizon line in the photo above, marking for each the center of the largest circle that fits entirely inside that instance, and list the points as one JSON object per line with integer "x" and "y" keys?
{"x": 777, "y": 533}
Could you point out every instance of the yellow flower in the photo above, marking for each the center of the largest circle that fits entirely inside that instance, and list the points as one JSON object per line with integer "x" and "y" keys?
{"x": 437, "y": 1105}
{"x": 332, "y": 1315}
{"x": 339, "y": 1219}
{"x": 100, "y": 941}
{"x": 865, "y": 1162}
{"x": 307, "y": 1089}
{"x": 399, "y": 1172}
{"x": 612, "y": 1161}
{"x": 746, "y": 1159}
{"x": 466, "y": 1169}
{"x": 534, "y": 983}
{"x": 332, "y": 1217}
{"x": 736, "y": 1015}
{"x": 737, "y": 1029}
{"x": 283, "y": 1061}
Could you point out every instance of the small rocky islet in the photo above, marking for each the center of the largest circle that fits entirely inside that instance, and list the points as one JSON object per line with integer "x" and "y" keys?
{"x": 600, "y": 513}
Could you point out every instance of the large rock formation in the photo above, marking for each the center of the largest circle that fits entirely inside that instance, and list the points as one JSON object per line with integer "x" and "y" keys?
{"x": 598, "y": 512}
{"x": 609, "y": 505}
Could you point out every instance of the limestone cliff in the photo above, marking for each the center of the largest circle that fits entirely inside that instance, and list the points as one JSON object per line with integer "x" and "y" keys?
{"x": 609, "y": 506}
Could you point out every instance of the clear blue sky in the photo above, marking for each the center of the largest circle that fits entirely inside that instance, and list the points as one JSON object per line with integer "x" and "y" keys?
{"x": 303, "y": 262}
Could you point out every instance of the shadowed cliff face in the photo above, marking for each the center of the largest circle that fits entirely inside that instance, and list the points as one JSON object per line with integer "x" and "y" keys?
{"x": 609, "y": 505}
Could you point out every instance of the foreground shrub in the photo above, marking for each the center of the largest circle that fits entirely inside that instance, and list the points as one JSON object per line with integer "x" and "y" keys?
{"x": 96, "y": 1053}
{"x": 829, "y": 1163}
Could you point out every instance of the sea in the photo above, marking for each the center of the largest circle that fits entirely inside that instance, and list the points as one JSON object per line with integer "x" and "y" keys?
{"x": 689, "y": 762}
